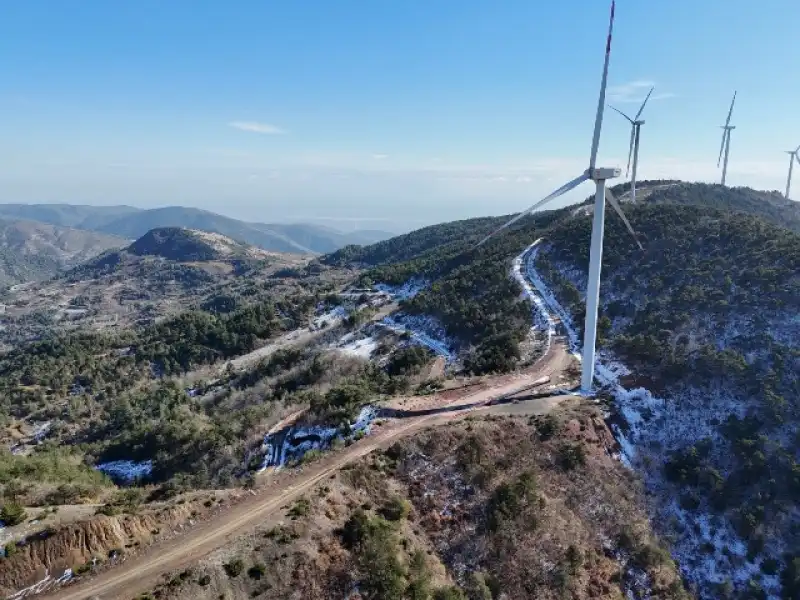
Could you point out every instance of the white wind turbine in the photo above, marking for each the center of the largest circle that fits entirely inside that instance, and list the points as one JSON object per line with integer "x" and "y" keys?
{"x": 793, "y": 155}
{"x": 633, "y": 149}
{"x": 726, "y": 141}
{"x": 602, "y": 194}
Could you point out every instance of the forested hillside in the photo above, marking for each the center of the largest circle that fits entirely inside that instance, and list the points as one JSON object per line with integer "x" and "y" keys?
{"x": 470, "y": 290}
{"x": 706, "y": 318}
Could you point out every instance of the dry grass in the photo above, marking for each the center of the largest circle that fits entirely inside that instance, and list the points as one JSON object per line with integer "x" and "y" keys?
{"x": 577, "y": 528}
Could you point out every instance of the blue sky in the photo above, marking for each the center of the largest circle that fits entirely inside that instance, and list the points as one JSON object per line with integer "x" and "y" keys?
{"x": 397, "y": 113}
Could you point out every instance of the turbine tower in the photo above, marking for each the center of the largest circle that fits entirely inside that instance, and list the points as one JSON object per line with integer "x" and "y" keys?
{"x": 793, "y": 155}
{"x": 633, "y": 149}
{"x": 602, "y": 194}
{"x": 726, "y": 141}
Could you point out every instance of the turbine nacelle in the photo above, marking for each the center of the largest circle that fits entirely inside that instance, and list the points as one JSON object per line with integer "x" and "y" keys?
{"x": 602, "y": 174}
{"x": 602, "y": 196}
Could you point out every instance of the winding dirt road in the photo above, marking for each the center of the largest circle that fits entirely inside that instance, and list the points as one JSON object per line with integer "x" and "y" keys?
{"x": 140, "y": 573}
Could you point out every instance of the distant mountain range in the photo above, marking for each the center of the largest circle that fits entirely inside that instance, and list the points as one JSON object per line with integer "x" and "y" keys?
{"x": 131, "y": 223}
{"x": 30, "y": 250}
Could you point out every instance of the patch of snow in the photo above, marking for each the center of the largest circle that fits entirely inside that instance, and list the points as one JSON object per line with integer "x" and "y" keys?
{"x": 548, "y": 300}
{"x": 424, "y": 330}
{"x": 330, "y": 318}
{"x": 127, "y": 470}
{"x": 408, "y": 290}
{"x": 42, "y": 585}
{"x": 278, "y": 448}
{"x": 363, "y": 348}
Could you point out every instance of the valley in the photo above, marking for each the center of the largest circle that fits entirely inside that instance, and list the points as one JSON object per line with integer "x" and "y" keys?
{"x": 286, "y": 400}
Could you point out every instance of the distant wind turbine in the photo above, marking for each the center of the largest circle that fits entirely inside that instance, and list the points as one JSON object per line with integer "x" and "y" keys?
{"x": 726, "y": 141}
{"x": 633, "y": 149}
{"x": 792, "y": 157}
{"x": 602, "y": 194}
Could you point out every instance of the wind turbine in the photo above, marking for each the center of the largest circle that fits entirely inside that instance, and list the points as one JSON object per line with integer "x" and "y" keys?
{"x": 602, "y": 194}
{"x": 726, "y": 141}
{"x": 792, "y": 157}
{"x": 633, "y": 149}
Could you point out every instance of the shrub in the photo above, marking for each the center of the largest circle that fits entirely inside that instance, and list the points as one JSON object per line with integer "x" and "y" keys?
{"x": 234, "y": 568}
{"x": 355, "y": 529}
{"x": 12, "y": 514}
{"x": 311, "y": 456}
{"x": 257, "y": 571}
{"x": 548, "y": 427}
{"x": 510, "y": 500}
{"x": 449, "y": 593}
{"x": 10, "y": 549}
{"x": 204, "y": 580}
{"x": 571, "y": 456}
{"x": 396, "y": 509}
{"x": 301, "y": 508}
{"x": 108, "y": 510}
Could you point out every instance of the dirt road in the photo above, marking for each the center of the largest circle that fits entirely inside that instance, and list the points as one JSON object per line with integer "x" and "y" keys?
{"x": 140, "y": 573}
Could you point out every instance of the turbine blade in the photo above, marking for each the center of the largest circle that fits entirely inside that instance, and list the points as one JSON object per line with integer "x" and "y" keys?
{"x": 639, "y": 114}
{"x": 630, "y": 150}
{"x": 615, "y": 205}
{"x": 722, "y": 147}
{"x": 559, "y": 192}
{"x": 796, "y": 150}
{"x": 730, "y": 112}
{"x": 598, "y": 121}
{"x": 622, "y": 113}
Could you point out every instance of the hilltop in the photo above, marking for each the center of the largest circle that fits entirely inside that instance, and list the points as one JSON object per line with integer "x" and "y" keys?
{"x": 770, "y": 206}
{"x": 131, "y": 223}
{"x": 163, "y": 273}
{"x": 180, "y": 244}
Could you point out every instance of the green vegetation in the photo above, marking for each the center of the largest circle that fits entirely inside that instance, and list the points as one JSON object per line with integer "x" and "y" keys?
{"x": 382, "y": 574}
{"x": 513, "y": 501}
{"x": 408, "y": 360}
{"x": 12, "y": 514}
{"x": 571, "y": 456}
{"x": 257, "y": 571}
{"x": 105, "y": 365}
{"x": 234, "y": 567}
{"x": 471, "y": 293}
{"x": 50, "y": 476}
{"x": 709, "y": 304}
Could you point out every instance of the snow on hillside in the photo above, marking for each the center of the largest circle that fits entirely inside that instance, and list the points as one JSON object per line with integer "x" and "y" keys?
{"x": 424, "y": 330}
{"x": 42, "y": 585}
{"x": 408, "y": 290}
{"x": 280, "y": 447}
{"x": 705, "y": 546}
{"x": 126, "y": 470}
{"x": 543, "y": 297}
{"x": 330, "y": 318}
{"x": 361, "y": 348}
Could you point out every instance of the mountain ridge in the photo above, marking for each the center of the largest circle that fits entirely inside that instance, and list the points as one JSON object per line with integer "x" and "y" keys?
{"x": 132, "y": 223}
{"x": 31, "y": 250}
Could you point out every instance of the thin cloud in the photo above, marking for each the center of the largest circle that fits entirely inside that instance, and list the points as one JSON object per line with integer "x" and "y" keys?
{"x": 380, "y": 156}
{"x": 635, "y": 91}
{"x": 256, "y": 127}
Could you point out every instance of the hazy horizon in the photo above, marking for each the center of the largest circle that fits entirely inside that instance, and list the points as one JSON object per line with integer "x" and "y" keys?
{"x": 382, "y": 117}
